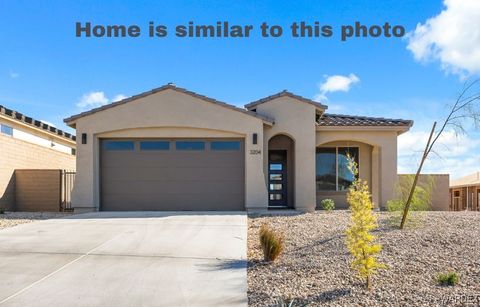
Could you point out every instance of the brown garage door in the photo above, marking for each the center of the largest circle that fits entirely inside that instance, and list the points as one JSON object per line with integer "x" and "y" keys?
{"x": 162, "y": 174}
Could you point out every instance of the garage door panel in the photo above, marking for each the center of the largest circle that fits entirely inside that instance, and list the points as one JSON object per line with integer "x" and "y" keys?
{"x": 166, "y": 174}
{"x": 173, "y": 159}
{"x": 151, "y": 202}
{"x": 172, "y": 179}
{"x": 172, "y": 187}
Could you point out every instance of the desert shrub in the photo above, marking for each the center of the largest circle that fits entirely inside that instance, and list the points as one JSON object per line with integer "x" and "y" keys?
{"x": 422, "y": 196}
{"x": 421, "y": 200}
{"x": 271, "y": 242}
{"x": 363, "y": 221}
{"x": 281, "y": 302}
{"x": 327, "y": 204}
{"x": 448, "y": 279}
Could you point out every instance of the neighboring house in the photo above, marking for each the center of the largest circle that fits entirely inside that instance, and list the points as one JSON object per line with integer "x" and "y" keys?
{"x": 173, "y": 149}
{"x": 437, "y": 184}
{"x": 465, "y": 193}
{"x": 26, "y": 143}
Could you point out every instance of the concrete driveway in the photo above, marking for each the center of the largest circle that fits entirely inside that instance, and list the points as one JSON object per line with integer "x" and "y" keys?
{"x": 126, "y": 259}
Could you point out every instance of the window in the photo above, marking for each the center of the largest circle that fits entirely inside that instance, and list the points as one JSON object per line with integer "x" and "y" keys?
{"x": 6, "y": 130}
{"x": 276, "y": 186}
{"x": 345, "y": 177}
{"x": 332, "y": 168}
{"x": 326, "y": 169}
{"x": 190, "y": 145}
{"x": 225, "y": 145}
{"x": 275, "y": 196}
{"x": 155, "y": 145}
{"x": 73, "y": 151}
{"x": 119, "y": 145}
{"x": 275, "y": 177}
{"x": 276, "y": 166}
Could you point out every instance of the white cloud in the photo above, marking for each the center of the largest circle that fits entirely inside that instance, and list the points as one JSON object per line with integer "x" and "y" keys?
{"x": 337, "y": 83}
{"x": 14, "y": 75}
{"x": 97, "y": 99}
{"x": 454, "y": 154}
{"x": 452, "y": 37}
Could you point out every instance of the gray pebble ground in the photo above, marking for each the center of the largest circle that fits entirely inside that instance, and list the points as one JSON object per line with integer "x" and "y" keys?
{"x": 10, "y": 219}
{"x": 314, "y": 268}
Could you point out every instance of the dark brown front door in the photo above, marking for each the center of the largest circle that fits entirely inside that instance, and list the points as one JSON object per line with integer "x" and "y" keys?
{"x": 277, "y": 179}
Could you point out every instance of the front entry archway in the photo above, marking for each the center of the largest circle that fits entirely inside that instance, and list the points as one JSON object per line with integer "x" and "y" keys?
{"x": 281, "y": 150}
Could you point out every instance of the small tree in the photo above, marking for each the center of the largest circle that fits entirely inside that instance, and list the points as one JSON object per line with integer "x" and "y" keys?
{"x": 463, "y": 109}
{"x": 360, "y": 241}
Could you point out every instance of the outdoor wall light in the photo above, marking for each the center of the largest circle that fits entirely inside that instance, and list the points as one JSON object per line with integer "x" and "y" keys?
{"x": 255, "y": 138}
{"x": 84, "y": 138}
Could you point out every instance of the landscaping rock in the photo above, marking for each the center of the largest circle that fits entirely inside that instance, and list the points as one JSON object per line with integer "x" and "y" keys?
{"x": 10, "y": 219}
{"x": 314, "y": 267}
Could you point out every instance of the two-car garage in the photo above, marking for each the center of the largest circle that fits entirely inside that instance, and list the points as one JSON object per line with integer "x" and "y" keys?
{"x": 172, "y": 174}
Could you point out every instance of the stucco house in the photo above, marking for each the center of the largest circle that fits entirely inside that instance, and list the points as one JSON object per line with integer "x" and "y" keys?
{"x": 27, "y": 143}
{"x": 173, "y": 149}
{"x": 465, "y": 193}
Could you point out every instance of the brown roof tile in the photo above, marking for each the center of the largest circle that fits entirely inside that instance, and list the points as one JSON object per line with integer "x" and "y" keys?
{"x": 349, "y": 120}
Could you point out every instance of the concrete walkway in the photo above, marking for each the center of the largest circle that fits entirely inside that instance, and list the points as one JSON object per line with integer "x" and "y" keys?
{"x": 126, "y": 259}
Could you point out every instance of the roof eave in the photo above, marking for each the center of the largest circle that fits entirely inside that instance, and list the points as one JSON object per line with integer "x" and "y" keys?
{"x": 399, "y": 128}
{"x": 70, "y": 121}
{"x": 284, "y": 93}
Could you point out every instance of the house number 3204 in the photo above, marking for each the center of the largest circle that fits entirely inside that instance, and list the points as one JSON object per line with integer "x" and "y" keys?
{"x": 255, "y": 151}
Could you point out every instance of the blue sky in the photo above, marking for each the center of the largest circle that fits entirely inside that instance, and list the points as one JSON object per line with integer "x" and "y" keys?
{"x": 45, "y": 71}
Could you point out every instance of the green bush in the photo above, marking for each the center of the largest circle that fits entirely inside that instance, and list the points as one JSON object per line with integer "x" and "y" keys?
{"x": 2, "y": 210}
{"x": 421, "y": 200}
{"x": 328, "y": 204}
{"x": 422, "y": 196}
{"x": 272, "y": 243}
{"x": 448, "y": 279}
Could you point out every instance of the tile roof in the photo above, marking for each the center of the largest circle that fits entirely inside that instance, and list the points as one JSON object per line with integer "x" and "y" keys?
{"x": 349, "y": 120}
{"x": 251, "y": 105}
{"x": 166, "y": 87}
{"x": 472, "y": 179}
{"x": 35, "y": 123}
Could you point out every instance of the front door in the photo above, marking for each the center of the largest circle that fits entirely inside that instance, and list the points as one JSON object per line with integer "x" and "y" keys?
{"x": 277, "y": 179}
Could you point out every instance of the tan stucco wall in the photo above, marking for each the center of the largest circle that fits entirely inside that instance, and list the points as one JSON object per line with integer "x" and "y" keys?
{"x": 167, "y": 113}
{"x": 440, "y": 194}
{"x": 365, "y": 172}
{"x": 37, "y": 190}
{"x": 18, "y": 154}
{"x": 297, "y": 120}
{"x": 384, "y": 156}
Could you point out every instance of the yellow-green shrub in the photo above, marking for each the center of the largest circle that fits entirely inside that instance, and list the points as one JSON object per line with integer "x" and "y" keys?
{"x": 360, "y": 241}
{"x": 272, "y": 243}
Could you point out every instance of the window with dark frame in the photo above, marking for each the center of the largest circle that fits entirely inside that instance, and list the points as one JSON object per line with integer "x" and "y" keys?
{"x": 332, "y": 173}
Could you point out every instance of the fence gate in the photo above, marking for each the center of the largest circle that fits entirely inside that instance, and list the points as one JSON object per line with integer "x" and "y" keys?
{"x": 67, "y": 181}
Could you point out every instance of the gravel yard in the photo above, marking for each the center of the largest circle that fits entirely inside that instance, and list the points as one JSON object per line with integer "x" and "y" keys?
{"x": 314, "y": 268}
{"x": 10, "y": 219}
